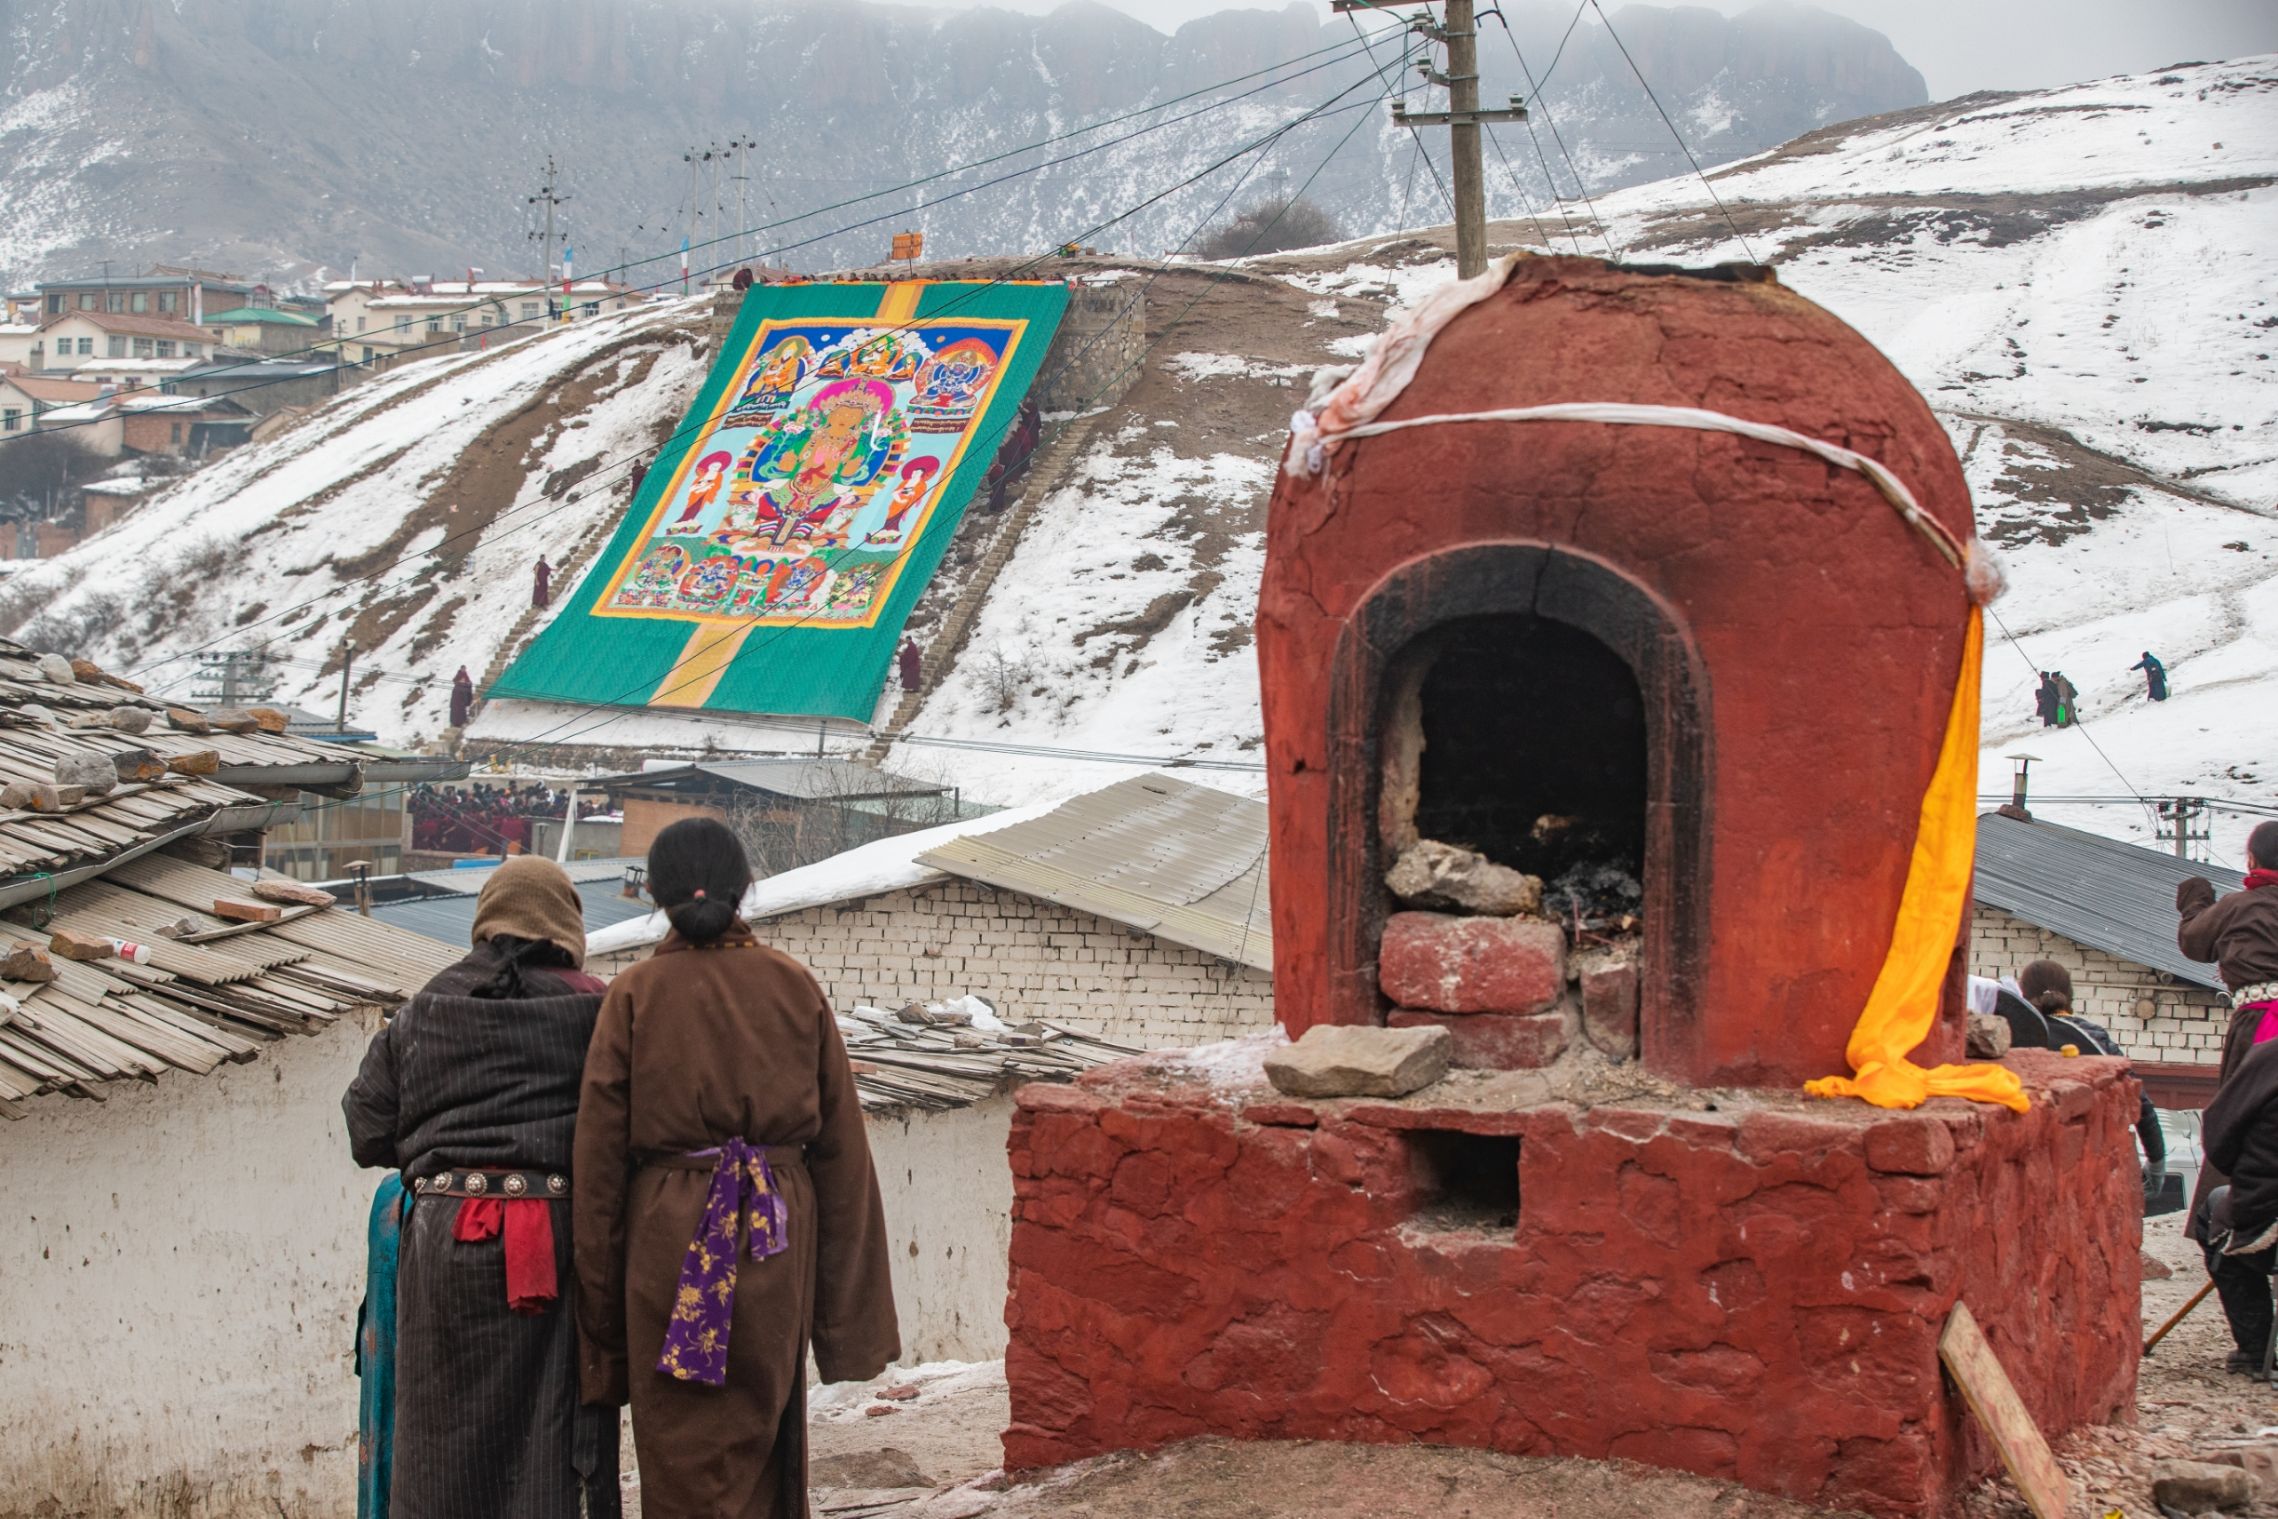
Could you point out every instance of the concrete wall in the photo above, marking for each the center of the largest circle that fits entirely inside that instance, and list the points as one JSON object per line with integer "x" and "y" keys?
{"x": 2153, "y": 1018}
{"x": 1031, "y": 958}
{"x": 182, "y": 1264}
{"x": 180, "y": 1268}
{"x": 1095, "y": 356}
{"x": 948, "y": 1193}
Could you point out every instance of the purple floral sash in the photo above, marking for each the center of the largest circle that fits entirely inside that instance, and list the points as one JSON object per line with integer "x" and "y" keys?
{"x": 743, "y": 1186}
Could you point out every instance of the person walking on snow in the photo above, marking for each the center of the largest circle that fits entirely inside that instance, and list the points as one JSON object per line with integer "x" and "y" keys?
{"x": 912, "y": 662}
{"x": 541, "y": 583}
{"x": 2045, "y": 700}
{"x": 462, "y": 697}
{"x": 2155, "y": 676}
{"x": 2068, "y": 697}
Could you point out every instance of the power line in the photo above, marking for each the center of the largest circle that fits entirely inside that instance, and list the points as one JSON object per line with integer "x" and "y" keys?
{"x": 1673, "y": 132}
{"x": 1535, "y": 97}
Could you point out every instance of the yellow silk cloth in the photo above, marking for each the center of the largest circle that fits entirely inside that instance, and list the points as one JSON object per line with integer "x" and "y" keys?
{"x": 1904, "y": 1003}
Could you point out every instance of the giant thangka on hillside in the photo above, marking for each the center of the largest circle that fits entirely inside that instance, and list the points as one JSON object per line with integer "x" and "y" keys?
{"x": 778, "y": 542}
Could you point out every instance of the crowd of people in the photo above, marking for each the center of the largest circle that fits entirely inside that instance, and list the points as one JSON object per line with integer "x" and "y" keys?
{"x": 487, "y": 818}
{"x": 657, "y": 1194}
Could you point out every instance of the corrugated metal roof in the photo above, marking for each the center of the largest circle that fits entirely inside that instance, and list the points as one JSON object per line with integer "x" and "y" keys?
{"x": 1181, "y": 861}
{"x": 824, "y": 780}
{"x": 2119, "y": 898}
{"x": 197, "y": 1004}
{"x": 451, "y": 920}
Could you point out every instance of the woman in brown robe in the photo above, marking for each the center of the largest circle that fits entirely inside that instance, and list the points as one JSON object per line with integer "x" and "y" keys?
{"x": 727, "y": 1216}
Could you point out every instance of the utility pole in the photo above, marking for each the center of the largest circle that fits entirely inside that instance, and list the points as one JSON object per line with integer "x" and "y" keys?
{"x": 741, "y": 147}
{"x": 347, "y": 663}
{"x": 2184, "y": 820}
{"x": 1459, "y": 33}
{"x": 547, "y": 198}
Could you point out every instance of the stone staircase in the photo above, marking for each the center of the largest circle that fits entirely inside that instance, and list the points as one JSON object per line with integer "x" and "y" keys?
{"x": 1049, "y": 468}
{"x": 566, "y": 572}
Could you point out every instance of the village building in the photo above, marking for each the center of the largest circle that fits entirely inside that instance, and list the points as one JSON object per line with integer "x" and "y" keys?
{"x": 27, "y": 398}
{"x": 376, "y": 321}
{"x": 265, "y": 386}
{"x": 74, "y": 337}
{"x": 167, "y": 290}
{"x": 264, "y": 329}
{"x": 1136, "y": 913}
{"x": 17, "y": 340}
{"x": 2105, "y": 911}
{"x": 104, "y": 502}
{"x": 791, "y": 810}
{"x": 153, "y": 423}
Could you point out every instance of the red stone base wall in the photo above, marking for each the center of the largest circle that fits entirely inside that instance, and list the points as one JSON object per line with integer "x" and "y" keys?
{"x": 1754, "y": 1293}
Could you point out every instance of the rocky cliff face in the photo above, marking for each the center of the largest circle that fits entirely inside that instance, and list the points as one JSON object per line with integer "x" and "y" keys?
{"x": 276, "y": 137}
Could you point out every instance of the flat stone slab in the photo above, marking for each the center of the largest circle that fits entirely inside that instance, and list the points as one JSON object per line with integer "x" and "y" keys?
{"x": 1356, "y": 1060}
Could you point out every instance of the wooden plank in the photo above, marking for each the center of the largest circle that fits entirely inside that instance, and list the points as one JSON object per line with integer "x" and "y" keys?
{"x": 1993, "y": 1398}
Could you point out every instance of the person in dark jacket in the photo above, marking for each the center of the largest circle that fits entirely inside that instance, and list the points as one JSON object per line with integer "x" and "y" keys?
{"x": 2048, "y": 987}
{"x": 2155, "y": 676}
{"x": 2045, "y": 700}
{"x": 462, "y": 697}
{"x": 2239, "y": 1226}
{"x": 471, "y": 1092}
{"x": 2239, "y": 933}
{"x": 911, "y": 661}
{"x": 541, "y": 583}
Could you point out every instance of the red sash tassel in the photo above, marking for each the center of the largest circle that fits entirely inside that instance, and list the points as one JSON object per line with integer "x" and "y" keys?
{"x": 528, "y": 1224}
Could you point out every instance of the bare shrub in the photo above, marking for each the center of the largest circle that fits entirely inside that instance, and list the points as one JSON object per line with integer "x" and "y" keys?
{"x": 1271, "y": 226}
{"x": 21, "y": 598}
{"x": 1005, "y": 677}
{"x": 77, "y": 628}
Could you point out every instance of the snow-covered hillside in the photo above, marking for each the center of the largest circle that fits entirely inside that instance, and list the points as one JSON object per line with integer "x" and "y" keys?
{"x": 2084, "y": 282}
{"x": 405, "y": 515}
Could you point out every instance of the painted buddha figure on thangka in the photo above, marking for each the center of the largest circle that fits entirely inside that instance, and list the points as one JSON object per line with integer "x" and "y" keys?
{"x": 773, "y": 380}
{"x": 656, "y": 579}
{"x": 704, "y": 489}
{"x": 909, "y": 495}
{"x": 807, "y": 476}
{"x": 947, "y": 388}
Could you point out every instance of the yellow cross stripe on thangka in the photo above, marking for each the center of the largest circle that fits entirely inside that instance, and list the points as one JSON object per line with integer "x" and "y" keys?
{"x": 705, "y": 658}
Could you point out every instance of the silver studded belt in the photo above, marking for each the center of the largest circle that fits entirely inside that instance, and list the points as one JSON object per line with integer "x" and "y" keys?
{"x": 2261, "y": 991}
{"x": 486, "y": 1183}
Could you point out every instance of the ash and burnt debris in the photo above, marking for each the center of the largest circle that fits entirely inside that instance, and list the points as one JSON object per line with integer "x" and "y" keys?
{"x": 1595, "y": 897}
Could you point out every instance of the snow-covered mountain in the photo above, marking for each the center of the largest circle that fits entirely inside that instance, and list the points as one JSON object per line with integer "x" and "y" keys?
{"x": 408, "y": 138}
{"x": 2082, "y": 281}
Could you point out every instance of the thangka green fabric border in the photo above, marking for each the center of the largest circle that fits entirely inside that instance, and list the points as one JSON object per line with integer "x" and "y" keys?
{"x": 796, "y": 670}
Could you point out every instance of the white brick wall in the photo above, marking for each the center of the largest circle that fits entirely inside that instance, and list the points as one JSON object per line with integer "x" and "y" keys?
{"x": 2154, "y": 1020}
{"x": 1031, "y": 958}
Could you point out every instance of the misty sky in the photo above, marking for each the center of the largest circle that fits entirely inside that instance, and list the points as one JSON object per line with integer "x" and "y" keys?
{"x": 1959, "y": 45}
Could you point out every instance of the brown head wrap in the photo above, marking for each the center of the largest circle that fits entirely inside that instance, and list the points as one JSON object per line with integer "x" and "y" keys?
{"x": 530, "y": 898}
